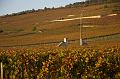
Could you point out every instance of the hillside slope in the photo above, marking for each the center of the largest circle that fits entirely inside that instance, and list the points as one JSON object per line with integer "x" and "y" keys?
{"x": 37, "y": 27}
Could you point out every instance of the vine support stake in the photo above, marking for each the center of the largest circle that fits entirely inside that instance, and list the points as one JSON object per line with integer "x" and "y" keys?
{"x": 1, "y": 70}
{"x": 22, "y": 71}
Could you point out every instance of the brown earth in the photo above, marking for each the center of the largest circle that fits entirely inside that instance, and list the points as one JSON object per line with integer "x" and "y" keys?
{"x": 18, "y": 30}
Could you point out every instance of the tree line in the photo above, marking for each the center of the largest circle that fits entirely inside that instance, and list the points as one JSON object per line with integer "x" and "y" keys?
{"x": 77, "y": 4}
{"x": 91, "y": 2}
{"x": 28, "y": 11}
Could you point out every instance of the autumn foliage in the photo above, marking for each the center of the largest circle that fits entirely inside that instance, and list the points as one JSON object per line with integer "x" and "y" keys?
{"x": 61, "y": 63}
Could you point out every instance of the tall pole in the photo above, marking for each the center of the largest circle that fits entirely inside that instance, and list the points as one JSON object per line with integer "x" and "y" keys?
{"x": 81, "y": 23}
{"x": 81, "y": 42}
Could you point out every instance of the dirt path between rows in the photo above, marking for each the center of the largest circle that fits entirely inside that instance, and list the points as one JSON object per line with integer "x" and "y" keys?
{"x": 88, "y": 17}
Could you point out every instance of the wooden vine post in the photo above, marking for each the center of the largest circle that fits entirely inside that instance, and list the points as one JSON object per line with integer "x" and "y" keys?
{"x": 22, "y": 71}
{"x": 1, "y": 70}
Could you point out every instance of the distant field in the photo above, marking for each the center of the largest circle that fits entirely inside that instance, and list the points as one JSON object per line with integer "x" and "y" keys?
{"x": 37, "y": 27}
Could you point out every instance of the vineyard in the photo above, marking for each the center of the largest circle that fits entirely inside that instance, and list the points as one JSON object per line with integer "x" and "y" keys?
{"x": 29, "y": 40}
{"x": 39, "y": 27}
{"x": 61, "y": 63}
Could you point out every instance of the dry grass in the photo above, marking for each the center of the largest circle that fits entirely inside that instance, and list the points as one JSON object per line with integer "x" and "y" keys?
{"x": 18, "y": 29}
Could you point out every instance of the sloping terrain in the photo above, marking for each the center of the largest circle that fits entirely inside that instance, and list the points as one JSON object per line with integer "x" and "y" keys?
{"x": 37, "y": 27}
